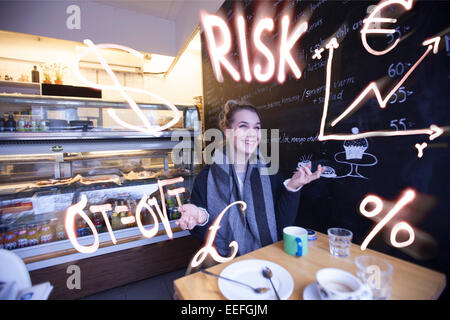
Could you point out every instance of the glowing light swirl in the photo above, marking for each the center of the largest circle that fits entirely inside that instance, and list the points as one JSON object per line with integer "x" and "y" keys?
{"x": 148, "y": 128}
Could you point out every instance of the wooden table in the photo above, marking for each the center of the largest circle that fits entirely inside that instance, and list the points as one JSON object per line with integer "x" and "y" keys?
{"x": 409, "y": 281}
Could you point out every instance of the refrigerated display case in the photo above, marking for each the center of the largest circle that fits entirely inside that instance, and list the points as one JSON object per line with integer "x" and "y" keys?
{"x": 64, "y": 148}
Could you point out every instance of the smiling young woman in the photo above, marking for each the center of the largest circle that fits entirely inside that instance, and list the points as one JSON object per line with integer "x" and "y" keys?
{"x": 272, "y": 202}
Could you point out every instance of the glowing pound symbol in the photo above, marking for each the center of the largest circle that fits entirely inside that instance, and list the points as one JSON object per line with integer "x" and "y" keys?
{"x": 407, "y": 197}
{"x": 201, "y": 255}
{"x": 374, "y": 18}
{"x": 148, "y": 128}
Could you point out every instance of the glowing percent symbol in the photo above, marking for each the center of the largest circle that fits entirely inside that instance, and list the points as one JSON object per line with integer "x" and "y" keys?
{"x": 407, "y": 197}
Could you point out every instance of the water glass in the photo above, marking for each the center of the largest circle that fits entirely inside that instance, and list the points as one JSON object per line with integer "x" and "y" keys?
{"x": 376, "y": 274}
{"x": 340, "y": 242}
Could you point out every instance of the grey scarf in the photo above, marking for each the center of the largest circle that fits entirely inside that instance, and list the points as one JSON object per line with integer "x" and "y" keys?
{"x": 256, "y": 226}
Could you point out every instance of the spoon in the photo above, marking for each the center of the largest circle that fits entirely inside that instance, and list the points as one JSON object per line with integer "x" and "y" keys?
{"x": 267, "y": 273}
{"x": 256, "y": 290}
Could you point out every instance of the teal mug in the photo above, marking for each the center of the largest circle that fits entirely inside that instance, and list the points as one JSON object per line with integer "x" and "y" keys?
{"x": 295, "y": 241}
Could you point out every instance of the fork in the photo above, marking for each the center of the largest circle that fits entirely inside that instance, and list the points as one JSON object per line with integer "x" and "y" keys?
{"x": 256, "y": 290}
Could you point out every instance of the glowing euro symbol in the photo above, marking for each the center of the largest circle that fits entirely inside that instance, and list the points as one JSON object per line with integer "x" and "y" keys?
{"x": 148, "y": 128}
{"x": 375, "y": 18}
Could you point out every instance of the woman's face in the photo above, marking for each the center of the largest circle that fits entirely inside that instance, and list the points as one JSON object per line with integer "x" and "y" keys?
{"x": 245, "y": 132}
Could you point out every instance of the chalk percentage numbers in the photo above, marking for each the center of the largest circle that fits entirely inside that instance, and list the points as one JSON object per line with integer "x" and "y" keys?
{"x": 407, "y": 197}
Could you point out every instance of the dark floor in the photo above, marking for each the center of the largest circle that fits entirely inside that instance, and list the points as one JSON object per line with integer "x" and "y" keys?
{"x": 155, "y": 288}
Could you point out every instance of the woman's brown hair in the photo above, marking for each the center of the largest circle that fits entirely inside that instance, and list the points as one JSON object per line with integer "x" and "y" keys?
{"x": 230, "y": 108}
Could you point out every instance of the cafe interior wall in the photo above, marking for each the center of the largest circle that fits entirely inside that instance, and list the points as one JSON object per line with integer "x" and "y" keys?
{"x": 20, "y": 52}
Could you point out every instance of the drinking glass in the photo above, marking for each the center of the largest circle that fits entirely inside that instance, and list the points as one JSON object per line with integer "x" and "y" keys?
{"x": 377, "y": 274}
{"x": 340, "y": 242}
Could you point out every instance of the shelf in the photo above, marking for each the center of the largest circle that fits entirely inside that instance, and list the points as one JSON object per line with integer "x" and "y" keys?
{"x": 90, "y": 135}
{"x": 46, "y": 101}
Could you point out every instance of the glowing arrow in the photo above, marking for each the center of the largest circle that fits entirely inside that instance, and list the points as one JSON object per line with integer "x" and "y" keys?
{"x": 434, "y": 131}
{"x": 330, "y": 46}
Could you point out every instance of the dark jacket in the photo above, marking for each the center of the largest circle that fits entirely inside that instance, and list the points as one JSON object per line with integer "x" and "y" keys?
{"x": 285, "y": 202}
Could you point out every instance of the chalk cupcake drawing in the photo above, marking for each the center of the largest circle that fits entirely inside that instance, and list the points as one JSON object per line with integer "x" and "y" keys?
{"x": 304, "y": 161}
{"x": 354, "y": 155}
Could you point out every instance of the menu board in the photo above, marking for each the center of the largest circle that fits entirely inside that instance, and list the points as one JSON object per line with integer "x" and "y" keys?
{"x": 381, "y": 165}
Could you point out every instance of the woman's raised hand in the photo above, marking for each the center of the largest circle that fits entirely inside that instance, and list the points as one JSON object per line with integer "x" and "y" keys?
{"x": 303, "y": 176}
{"x": 191, "y": 216}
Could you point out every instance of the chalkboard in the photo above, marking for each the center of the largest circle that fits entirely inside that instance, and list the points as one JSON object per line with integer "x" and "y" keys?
{"x": 388, "y": 165}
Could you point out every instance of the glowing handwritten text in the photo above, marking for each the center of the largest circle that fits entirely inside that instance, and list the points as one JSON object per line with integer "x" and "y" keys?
{"x": 148, "y": 204}
{"x": 218, "y": 51}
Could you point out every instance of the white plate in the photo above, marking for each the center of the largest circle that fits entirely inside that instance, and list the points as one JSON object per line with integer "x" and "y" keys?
{"x": 311, "y": 292}
{"x": 250, "y": 272}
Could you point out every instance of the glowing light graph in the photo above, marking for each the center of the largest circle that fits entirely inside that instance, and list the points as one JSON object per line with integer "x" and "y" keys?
{"x": 433, "y": 132}
{"x": 372, "y": 87}
{"x": 148, "y": 127}
{"x": 407, "y": 197}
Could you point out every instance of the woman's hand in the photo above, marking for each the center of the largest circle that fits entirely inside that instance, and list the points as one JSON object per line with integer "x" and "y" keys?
{"x": 191, "y": 216}
{"x": 304, "y": 176}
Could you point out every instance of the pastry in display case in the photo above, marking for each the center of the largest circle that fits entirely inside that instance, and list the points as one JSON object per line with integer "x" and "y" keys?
{"x": 64, "y": 148}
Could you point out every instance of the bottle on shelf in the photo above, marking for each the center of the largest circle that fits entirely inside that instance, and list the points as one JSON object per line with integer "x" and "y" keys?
{"x": 81, "y": 227}
{"x": 46, "y": 232}
{"x": 97, "y": 223}
{"x": 42, "y": 125}
{"x": 35, "y": 75}
{"x": 175, "y": 213}
{"x": 10, "y": 241}
{"x": 32, "y": 235}
{"x": 34, "y": 126}
{"x": 22, "y": 239}
{"x": 2, "y": 238}
{"x": 131, "y": 210}
{"x": 10, "y": 124}
{"x": 21, "y": 124}
{"x": 60, "y": 231}
{"x": 2, "y": 124}
{"x": 123, "y": 214}
{"x": 27, "y": 125}
{"x": 115, "y": 218}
